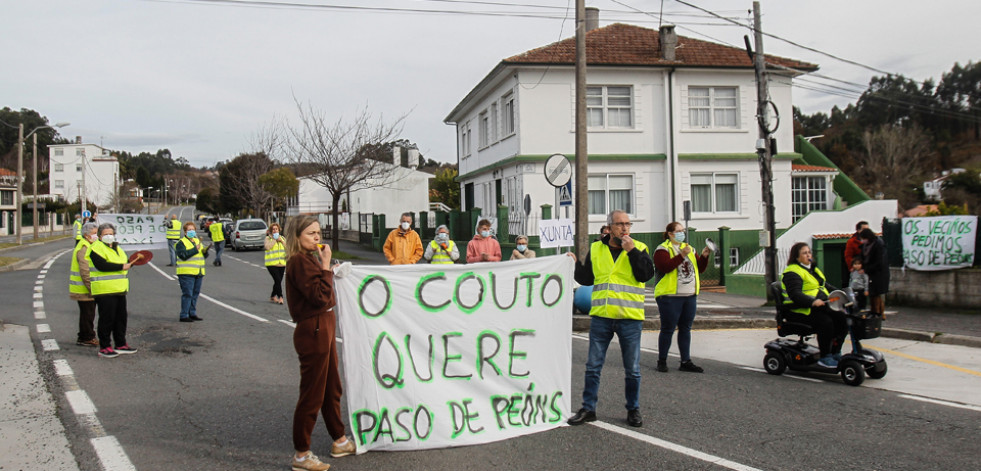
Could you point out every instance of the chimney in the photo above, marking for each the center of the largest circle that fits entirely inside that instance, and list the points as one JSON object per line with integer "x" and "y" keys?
{"x": 413, "y": 158}
{"x": 78, "y": 139}
{"x": 397, "y": 156}
{"x": 592, "y": 18}
{"x": 669, "y": 41}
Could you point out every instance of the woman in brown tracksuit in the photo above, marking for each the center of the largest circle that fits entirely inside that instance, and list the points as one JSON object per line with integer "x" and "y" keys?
{"x": 310, "y": 298}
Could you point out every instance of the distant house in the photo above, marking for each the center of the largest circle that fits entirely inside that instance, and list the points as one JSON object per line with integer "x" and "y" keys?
{"x": 932, "y": 189}
{"x": 8, "y": 206}
{"x": 670, "y": 120}
{"x": 407, "y": 191}
{"x": 101, "y": 172}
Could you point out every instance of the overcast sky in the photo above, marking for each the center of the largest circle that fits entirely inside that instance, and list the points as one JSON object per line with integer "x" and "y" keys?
{"x": 201, "y": 77}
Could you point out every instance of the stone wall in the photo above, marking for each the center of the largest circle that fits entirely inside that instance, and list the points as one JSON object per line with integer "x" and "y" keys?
{"x": 953, "y": 288}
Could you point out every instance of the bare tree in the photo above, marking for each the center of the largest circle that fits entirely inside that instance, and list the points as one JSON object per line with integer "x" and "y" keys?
{"x": 894, "y": 156}
{"x": 344, "y": 154}
{"x": 239, "y": 183}
{"x": 269, "y": 139}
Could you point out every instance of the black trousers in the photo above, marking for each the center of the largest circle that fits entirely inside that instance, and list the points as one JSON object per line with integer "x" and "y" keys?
{"x": 830, "y": 326}
{"x": 86, "y": 320}
{"x": 112, "y": 320}
{"x": 277, "y": 276}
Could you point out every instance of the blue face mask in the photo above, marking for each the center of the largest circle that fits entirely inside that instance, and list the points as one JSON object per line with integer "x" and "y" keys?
{"x": 485, "y": 234}
{"x": 679, "y": 236}
{"x": 521, "y": 248}
{"x": 275, "y": 236}
{"x": 192, "y": 234}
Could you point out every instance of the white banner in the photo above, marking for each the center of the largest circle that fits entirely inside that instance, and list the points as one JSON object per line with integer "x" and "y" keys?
{"x": 556, "y": 233}
{"x": 939, "y": 243}
{"x": 450, "y": 355}
{"x": 147, "y": 231}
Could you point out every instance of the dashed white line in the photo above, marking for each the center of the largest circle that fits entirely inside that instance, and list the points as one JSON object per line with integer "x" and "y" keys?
{"x": 234, "y": 309}
{"x": 942, "y": 403}
{"x": 43, "y": 328}
{"x": 61, "y": 367}
{"x": 49, "y": 345}
{"x": 80, "y": 402}
{"x": 39, "y": 315}
{"x": 38, "y": 304}
{"x": 111, "y": 454}
{"x": 674, "y": 447}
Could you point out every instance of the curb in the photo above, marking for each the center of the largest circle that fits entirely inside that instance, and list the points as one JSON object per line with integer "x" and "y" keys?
{"x": 15, "y": 265}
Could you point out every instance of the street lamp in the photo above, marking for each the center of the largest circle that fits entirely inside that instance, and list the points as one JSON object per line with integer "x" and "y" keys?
{"x": 34, "y": 206}
{"x": 20, "y": 174}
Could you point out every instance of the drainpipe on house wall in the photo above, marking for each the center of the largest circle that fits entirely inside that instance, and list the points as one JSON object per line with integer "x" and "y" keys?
{"x": 672, "y": 160}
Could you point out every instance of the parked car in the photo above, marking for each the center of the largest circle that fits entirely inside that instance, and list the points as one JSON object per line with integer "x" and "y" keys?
{"x": 248, "y": 233}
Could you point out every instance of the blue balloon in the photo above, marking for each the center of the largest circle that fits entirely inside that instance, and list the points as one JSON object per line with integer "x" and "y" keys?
{"x": 583, "y": 299}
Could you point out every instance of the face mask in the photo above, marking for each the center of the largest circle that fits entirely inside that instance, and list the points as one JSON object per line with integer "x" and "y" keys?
{"x": 405, "y": 226}
{"x": 275, "y": 236}
{"x": 521, "y": 248}
{"x": 192, "y": 234}
{"x": 485, "y": 234}
{"x": 92, "y": 237}
{"x": 679, "y": 236}
{"x": 442, "y": 237}
{"x": 108, "y": 239}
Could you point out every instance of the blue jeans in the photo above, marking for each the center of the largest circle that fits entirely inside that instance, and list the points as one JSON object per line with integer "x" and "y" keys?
{"x": 219, "y": 248}
{"x": 190, "y": 289}
{"x": 676, "y": 312}
{"x": 171, "y": 244}
{"x": 601, "y": 330}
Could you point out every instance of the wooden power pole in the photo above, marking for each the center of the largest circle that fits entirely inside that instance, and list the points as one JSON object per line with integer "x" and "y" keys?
{"x": 581, "y": 173}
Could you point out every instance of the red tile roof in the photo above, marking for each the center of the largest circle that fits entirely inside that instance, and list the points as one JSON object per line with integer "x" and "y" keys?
{"x": 623, "y": 44}
{"x": 811, "y": 168}
{"x": 7, "y": 173}
{"x": 837, "y": 235}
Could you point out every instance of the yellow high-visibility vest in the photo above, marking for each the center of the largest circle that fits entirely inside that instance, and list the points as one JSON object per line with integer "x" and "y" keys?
{"x": 216, "y": 233}
{"x": 75, "y": 283}
{"x": 276, "y": 255}
{"x": 193, "y": 265}
{"x": 668, "y": 284}
{"x": 174, "y": 231}
{"x": 107, "y": 282}
{"x": 616, "y": 293}
{"x": 440, "y": 256}
{"x": 811, "y": 286}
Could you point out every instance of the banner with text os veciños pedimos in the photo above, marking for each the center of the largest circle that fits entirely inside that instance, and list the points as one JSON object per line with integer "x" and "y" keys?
{"x": 142, "y": 231}
{"x": 939, "y": 243}
{"x": 449, "y": 355}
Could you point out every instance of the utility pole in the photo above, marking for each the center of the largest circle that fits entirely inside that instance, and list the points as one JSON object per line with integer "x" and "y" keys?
{"x": 582, "y": 195}
{"x": 764, "y": 151}
{"x": 20, "y": 181}
{"x": 83, "y": 197}
{"x": 34, "y": 208}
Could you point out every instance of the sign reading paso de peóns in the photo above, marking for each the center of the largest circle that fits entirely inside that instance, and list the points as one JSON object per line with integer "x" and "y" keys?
{"x": 148, "y": 231}
{"x": 939, "y": 243}
{"x": 449, "y": 355}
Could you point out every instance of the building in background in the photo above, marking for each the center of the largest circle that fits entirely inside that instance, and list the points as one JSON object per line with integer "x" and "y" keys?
{"x": 67, "y": 163}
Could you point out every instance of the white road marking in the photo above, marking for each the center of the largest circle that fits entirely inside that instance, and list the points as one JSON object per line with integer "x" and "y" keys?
{"x": 80, "y": 402}
{"x": 111, "y": 454}
{"x": 942, "y": 403}
{"x": 38, "y": 304}
{"x": 234, "y": 309}
{"x": 62, "y": 368}
{"x": 674, "y": 447}
{"x": 43, "y": 328}
{"x": 39, "y": 315}
{"x": 38, "y": 288}
{"x": 291, "y": 324}
{"x": 49, "y": 345}
{"x": 152, "y": 265}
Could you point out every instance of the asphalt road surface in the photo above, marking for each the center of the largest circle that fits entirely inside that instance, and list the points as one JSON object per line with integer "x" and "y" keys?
{"x": 219, "y": 394}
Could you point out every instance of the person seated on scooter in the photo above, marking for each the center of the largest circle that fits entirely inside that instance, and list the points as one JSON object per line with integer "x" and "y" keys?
{"x": 807, "y": 295}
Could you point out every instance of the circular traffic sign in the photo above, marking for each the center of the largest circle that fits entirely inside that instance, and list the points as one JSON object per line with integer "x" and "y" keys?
{"x": 86, "y": 214}
{"x": 558, "y": 170}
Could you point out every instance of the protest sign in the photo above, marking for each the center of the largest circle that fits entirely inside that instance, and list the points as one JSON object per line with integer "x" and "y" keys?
{"x": 450, "y": 355}
{"x": 556, "y": 233}
{"x": 148, "y": 231}
{"x": 939, "y": 243}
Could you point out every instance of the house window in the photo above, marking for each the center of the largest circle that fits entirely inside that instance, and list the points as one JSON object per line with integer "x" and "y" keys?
{"x": 78, "y": 167}
{"x": 483, "y": 133}
{"x": 493, "y": 122}
{"x": 733, "y": 257}
{"x": 508, "y": 116}
{"x": 609, "y": 192}
{"x": 59, "y": 167}
{"x": 59, "y": 152}
{"x": 465, "y": 136}
{"x": 714, "y": 192}
{"x": 80, "y": 152}
{"x": 59, "y": 184}
{"x": 7, "y": 197}
{"x": 713, "y": 107}
{"x": 609, "y": 107}
{"x": 808, "y": 194}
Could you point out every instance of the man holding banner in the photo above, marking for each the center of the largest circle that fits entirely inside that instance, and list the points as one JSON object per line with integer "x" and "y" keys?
{"x": 617, "y": 267}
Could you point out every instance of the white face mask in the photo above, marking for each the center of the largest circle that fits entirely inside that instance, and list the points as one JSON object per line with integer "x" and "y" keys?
{"x": 108, "y": 239}
{"x": 442, "y": 237}
{"x": 405, "y": 226}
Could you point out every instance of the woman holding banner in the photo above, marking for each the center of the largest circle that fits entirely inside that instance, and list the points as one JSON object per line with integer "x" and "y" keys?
{"x": 311, "y": 301}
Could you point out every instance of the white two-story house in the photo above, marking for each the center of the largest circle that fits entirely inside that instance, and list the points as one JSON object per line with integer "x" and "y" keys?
{"x": 101, "y": 172}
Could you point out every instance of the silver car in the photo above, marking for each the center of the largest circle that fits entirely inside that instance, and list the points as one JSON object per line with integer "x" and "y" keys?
{"x": 248, "y": 233}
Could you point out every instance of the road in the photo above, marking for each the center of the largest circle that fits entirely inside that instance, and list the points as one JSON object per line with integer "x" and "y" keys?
{"x": 219, "y": 394}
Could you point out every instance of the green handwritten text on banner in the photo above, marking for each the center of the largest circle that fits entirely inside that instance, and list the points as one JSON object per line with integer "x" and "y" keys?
{"x": 939, "y": 243}
{"x": 449, "y": 355}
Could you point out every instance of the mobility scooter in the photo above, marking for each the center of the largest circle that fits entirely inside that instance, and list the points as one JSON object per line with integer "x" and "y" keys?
{"x": 783, "y": 353}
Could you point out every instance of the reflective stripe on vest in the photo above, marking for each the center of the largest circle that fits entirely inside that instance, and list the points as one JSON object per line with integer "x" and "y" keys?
{"x": 441, "y": 257}
{"x": 174, "y": 231}
{"x": 75, "y": 283}
{"x": 811, "y": 286}
{"x": 616, "y": 293}
{"x": 668, "y": 284}
{"x": 193, "y": 265}
{"x": 107, "y": 282}
{"x": 216, "y": 234}
{"x": 276, "y": 256}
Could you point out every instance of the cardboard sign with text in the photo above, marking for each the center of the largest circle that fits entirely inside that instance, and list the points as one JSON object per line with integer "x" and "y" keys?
{"x": 939, "y": 243}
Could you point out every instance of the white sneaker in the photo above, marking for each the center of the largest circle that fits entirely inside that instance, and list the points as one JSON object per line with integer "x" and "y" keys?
{"x": 310, "y": 463}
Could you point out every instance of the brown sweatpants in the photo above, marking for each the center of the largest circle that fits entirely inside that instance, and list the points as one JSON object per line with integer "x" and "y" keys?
{"x": 320, "y": 383}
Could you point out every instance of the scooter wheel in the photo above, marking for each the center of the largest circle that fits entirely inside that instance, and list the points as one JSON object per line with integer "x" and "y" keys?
{"x": 876, "y": 373}
{"x": 852, "y": 372}
{"x": 774, "y": 363}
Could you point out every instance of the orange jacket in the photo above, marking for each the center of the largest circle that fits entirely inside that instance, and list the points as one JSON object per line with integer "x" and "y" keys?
{"x": 403, "y": 248}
